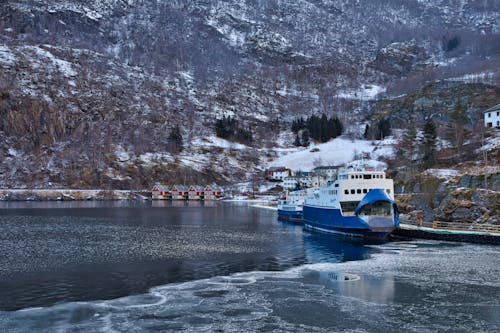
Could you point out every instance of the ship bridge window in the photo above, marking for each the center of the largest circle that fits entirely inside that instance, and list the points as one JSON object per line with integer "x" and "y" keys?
{"x": 365, "y": 190}
{"x": 346, "y": 191}
{"x": 358, "y": 191}
{"x": 336, "y": 185}
{"x": 353, "y": 191}
{"x": 367, "y": 176}
{"x": 379, "y": 208}
{"x": 348, "y": 207}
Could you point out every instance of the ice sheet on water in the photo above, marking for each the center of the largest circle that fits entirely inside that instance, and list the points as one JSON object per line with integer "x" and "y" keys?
{"x": 408, "y": 286}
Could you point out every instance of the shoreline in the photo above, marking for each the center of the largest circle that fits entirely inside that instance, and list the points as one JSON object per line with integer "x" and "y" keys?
{"x": 71, "y": 195}
{"x": 30, "y": 195}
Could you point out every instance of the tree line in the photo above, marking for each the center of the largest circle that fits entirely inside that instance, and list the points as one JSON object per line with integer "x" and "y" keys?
{"x": 320, "y": 128}
{"x": 229, "y": 128}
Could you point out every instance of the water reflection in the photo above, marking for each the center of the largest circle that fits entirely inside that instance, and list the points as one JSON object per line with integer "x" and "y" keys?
{"x": 327, "y": 248}
{"x": 183, "y": 203}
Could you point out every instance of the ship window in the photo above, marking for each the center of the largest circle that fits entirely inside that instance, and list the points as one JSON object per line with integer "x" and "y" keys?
{"x": 352, "y": 176}
{"x": 388, "y": 191}
{"x": 359, "y": 191}
{"x": 336, "y": 185}
{"x": 353, "y": 191}
{"x": 365, "y": 190}
{"x": 346, "y": 191}
{"x": 367, "y": 176}
{"x": 348, "y": 207}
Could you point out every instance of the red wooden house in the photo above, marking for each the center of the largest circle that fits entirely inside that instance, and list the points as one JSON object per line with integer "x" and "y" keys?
{"x": 160, "y": 192}
{"x": 179, "y": 192}
{"x": 195, "y": 192}
{"x": 213, "y": 192}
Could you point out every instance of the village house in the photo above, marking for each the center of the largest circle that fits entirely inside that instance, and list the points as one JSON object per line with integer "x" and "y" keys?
{"x": 300, "y": 180}
{"x": 179, "y": 192}
{"x": 195, "y": 192}
{"x": 290, "y": 183}
{"x": 278, "y": 173}
{"x": 327, "y": 171}
{"x": 161, "y": 192}
{"x": 212, "y": 192}
{"x": 492, "y": 116}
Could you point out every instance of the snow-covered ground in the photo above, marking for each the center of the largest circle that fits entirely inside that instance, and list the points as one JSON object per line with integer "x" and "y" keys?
{"x": 365, "y": 93}
{"x": 335, "y": 152}
{"x": 441, "y": 173}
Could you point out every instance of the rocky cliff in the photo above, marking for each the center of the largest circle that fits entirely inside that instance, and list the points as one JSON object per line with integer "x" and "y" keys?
{"x": 90, "y": 90}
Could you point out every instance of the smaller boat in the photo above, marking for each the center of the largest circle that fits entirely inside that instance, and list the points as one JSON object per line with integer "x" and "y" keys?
{"x": 290, "y": 209}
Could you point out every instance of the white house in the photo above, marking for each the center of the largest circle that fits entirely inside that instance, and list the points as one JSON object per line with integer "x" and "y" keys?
{"x": 278, "y": 173}
{"x": 327, "y": 172}
{"x": 291, "y": 183}
{"x": 492, "y": 117}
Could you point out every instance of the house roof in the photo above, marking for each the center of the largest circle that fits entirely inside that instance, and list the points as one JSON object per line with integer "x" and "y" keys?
{"x": 183, "y": 188}
{"x": 493, "y": 108}
{"x": 277, "y": 168}
{"x": 162, "y": 187}
{"x": 327, "y": 167}
{"x": 213, "y": 187}
{"x": 196, "y": 188}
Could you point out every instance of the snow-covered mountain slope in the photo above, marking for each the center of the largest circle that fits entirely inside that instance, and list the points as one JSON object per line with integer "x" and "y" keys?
{"x": 81, "y": 80}
{"x": 336, "y": 152}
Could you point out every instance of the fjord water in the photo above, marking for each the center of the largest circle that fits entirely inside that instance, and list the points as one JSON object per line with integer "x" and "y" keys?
{"x": 205, "y": 267}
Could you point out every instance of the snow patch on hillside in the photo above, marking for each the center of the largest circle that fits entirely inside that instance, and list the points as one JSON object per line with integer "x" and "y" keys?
{"x": 441, "y": 173}
{"x": 366, "y": 92}
{"x": 490, "y": 144}
{"x": 62, "y": 66}
{"x": 6, "y": 56}
{"x": 484, "y": 77}
{"x": 213, "y": 141}
{"x": 335, "y": 152}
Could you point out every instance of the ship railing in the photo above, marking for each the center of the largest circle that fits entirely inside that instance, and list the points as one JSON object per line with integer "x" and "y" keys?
{"x": 458, "y": 226}
{"x": 462, "y": 226}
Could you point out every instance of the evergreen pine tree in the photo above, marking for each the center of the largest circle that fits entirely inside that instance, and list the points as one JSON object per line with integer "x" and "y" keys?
{"x": 175, "y": 140}
{"x": 305, "y": 138}
{"x": 297, "y": 143}
{"x": 366, "y": 135}
{"x": 456, "y": 127}
{"x": 429, "y": 143}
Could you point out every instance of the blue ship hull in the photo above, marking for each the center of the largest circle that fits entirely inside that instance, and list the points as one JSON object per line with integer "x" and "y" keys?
{"x": 295, "y": 216}
{"x": 331, "y": 221}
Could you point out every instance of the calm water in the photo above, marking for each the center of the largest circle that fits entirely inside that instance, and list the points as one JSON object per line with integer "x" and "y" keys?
{"x": 222, "y": 267}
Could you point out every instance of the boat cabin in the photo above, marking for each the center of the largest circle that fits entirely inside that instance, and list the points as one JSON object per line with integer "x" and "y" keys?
{"x": 350, "y": 188}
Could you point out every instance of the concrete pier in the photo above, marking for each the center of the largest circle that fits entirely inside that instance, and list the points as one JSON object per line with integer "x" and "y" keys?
{"x": 407, "y": 230}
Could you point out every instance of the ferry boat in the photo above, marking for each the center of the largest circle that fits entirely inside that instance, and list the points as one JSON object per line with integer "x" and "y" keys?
{"x": 359, "y": 203}
{"x": 290, "y": 209}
